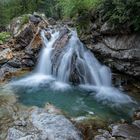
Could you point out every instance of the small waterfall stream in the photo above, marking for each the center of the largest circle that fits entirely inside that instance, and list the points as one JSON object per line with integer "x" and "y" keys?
{"x": 74, "y": 61}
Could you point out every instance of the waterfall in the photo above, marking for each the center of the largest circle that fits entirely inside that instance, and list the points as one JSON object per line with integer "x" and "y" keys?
{"x": 45, "y": 65}
{"x": 89, "y": 70}
{"x": 73, "y": 64}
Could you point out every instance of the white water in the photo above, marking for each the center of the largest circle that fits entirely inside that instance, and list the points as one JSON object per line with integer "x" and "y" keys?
{"x": 45, "y": 65}
{"x": 93, "y": 76}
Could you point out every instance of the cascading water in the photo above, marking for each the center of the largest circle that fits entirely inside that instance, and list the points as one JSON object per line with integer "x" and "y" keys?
{"x": 45, "y": 65}
{"x": 92, "y": 76}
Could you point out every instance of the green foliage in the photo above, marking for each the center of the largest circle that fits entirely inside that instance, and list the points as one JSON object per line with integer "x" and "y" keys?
{"x": 50, "y": 8}
{"x": 4, "y": 36}
{"x": 25, "y": 19}
{"x": 121, "y": 12}
{"x": 116, "y": 12}
{"x": 72, "y": 7}
{"x": 14, "y": 8}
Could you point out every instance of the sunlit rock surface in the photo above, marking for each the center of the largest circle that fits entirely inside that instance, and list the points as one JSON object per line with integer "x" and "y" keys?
{"x": 41, "y": 125}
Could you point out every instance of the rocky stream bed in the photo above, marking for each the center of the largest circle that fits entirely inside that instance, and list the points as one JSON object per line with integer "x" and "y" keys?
{"x": 19, "y": 56}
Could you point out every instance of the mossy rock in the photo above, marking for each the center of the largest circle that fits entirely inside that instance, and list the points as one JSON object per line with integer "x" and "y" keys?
{"x": 18, "y": 24}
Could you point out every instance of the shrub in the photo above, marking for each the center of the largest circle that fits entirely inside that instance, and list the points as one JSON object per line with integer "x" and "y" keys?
{"x": 4, "y": 36}
{"x": 121, "y": 12}
{"x": 70, "y": 8}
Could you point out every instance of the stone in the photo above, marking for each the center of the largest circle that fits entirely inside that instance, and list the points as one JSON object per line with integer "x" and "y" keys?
{"x": 24, "y": 37}
{"x": 137, "y": 114}
{"x": 106, "y": 29}
{"x": 54, "y": 126}
{"x": 5, "y": 71}
{"x": 136, "y": 123}
{"x": 5, "y": 55}
{"x": 35, "y": 19}
{"x": 14, "y": 63}
{"x": 131, "y": 132}
{"x": 41, "y": 125}
{"x": 27, "y": 63}
{"x": 124, "y": 49}
{"x": 48, "y": 35}
{"x": 18, "y": 24}
{"x": 51, "y": 21}
{"x": 100, "y": 137}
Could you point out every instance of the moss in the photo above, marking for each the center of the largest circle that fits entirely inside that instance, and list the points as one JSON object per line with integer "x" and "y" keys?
{"x": 4, "y": 36}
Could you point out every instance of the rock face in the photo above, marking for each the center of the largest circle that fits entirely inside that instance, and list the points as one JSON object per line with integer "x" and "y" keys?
{"x": 42, "y": 125}
{"x": 131, "y": 132}
{"x": 23, "y": 48}
{"x": 119, "y": 50}
{"x": 5, "y": 55}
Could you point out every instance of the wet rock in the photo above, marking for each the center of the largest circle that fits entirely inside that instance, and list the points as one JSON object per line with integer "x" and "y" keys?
{"x": 48, "y": 35}
{"x": 58, "y": 46}
{"x": 5, "y": 55}
{"x": 51, "y": 109}
{"x": 131, "y": 132}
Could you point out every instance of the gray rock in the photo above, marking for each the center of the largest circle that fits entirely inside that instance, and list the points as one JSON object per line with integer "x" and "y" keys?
{"x": 14, "y": 63}
{"x": 105, "y": 28}
{"x": 100, "y": 137}
{"x": 24, "y": 37}
{"x": 131, "y": 132}
{"x": 42, "y": 125}
{"x": 51, "y": 21}
{"x": 35, "y": 19}
{"x": 14, "y": 134}
{"x": 124, "y": 49}
{"x": 6, "y": 70}
{"x": 5, "y": 55}
{"x": 136, "y": 123}
{"x": 55, "y": 127}
{"x": 27, "y": 63}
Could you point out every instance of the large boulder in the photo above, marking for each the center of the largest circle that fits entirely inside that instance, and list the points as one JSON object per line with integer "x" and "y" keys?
{"x": 41, "y": 125}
